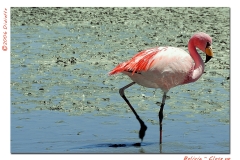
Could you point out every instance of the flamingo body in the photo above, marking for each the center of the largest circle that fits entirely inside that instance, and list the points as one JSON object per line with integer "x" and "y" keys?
{"x": 160, "y": 67}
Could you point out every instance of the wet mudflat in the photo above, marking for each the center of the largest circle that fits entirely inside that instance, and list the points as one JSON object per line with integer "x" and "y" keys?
{"x": 63, "y": 101}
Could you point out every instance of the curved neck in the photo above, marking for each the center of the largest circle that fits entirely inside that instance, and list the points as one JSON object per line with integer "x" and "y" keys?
{"x": 199, "y": 65}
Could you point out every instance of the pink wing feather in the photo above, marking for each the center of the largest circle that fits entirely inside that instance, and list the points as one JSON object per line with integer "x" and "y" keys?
{"x": 142, "y": 61}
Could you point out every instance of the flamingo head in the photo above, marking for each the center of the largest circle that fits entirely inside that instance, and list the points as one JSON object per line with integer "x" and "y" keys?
{"x": 204, "y": 42}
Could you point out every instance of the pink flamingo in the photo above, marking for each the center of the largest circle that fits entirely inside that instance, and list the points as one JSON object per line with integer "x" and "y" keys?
{"x": 165, "y": 68}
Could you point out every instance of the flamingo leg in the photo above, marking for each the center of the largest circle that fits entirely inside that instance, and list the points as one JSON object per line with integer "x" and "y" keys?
{"x": 143, "y": 126}
{"x": 161, "y": 115}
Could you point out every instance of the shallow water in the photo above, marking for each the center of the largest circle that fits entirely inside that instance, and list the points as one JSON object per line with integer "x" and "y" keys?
{"x": 57, "y": 132}
{"x": 63, "y": 101}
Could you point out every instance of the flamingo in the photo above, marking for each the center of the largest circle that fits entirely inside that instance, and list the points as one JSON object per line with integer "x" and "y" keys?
{"x": 165, "y": 68}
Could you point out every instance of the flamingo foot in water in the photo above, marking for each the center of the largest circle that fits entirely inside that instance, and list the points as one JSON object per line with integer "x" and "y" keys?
{"x": 142, "y": 129}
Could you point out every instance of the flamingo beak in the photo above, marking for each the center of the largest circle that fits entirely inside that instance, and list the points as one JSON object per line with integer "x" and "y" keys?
{"x": 209, "y": 53}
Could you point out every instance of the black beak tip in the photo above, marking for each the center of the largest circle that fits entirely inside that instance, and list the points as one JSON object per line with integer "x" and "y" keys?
{"x": 207, "y": 58}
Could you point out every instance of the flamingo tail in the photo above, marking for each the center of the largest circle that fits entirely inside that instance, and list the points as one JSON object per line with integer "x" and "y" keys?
{"x": 118, "y": 69}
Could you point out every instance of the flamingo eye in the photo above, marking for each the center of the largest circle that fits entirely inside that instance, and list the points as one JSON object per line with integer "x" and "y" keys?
{"x": 208, "y": 45}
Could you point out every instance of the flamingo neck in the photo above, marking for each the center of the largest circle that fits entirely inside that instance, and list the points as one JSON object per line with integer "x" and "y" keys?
{"x": 199, "y": 65}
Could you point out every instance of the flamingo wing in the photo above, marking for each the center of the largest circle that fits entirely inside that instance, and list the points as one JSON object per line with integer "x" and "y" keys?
{"x": 140, "y": 62}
